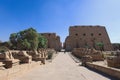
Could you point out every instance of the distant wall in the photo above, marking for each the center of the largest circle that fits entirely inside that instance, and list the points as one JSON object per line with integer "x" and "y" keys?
{"x": 53, "y": 41}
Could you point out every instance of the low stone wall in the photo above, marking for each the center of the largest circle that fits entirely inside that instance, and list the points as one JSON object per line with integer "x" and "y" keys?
{"x": 17, "y": 70}
{"x": 108, "y": 70}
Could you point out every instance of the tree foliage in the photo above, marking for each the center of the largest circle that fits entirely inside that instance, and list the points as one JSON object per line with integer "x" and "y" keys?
{"x": 3, "y": 49}
{"x": 6, "y": 44}
{"x": 42, "y": 42}
{"x": 13, "y": 40}
{"x": 27, "y": 39}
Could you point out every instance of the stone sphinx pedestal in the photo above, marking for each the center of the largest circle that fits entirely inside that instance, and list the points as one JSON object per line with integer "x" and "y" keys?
{"x": 1, "y": 66}
{"x": 10, "y": 63}
{"x": 85, "y": 59}
{"x": 8, "y": 59}
{"x": 22, "y": 56}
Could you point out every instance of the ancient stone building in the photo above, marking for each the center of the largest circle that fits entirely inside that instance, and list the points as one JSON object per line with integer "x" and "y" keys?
{"x": 53, "y": 41}
{"x": 87, "y": 37}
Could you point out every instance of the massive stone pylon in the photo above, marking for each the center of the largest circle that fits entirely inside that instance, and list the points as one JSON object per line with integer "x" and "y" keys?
{"x": 87, "y": 36}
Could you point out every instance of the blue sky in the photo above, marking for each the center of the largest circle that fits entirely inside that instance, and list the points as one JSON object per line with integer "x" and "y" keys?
{"x": 57, "y": 15}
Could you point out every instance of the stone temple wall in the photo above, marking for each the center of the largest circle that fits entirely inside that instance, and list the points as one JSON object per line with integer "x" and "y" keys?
{"x": 53, "y": 41}
{"x": 87, "y": 36}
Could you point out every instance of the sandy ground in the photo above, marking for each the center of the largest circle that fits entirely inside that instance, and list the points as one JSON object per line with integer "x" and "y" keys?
{"x": 62, "y": 67}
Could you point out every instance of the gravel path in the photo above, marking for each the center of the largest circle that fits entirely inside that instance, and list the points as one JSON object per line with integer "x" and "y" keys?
{"x": 62, "y": 67}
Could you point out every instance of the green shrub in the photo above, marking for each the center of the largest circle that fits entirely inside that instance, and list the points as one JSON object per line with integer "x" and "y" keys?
{"x": 2, "y": 51}
{"x": 50, "y": 55}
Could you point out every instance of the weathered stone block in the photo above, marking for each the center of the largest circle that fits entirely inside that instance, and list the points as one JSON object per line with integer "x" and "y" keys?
{"x": 113, "y": 61}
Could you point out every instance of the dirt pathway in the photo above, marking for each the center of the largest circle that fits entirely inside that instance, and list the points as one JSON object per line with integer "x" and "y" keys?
{"x": 62, "y": 68}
